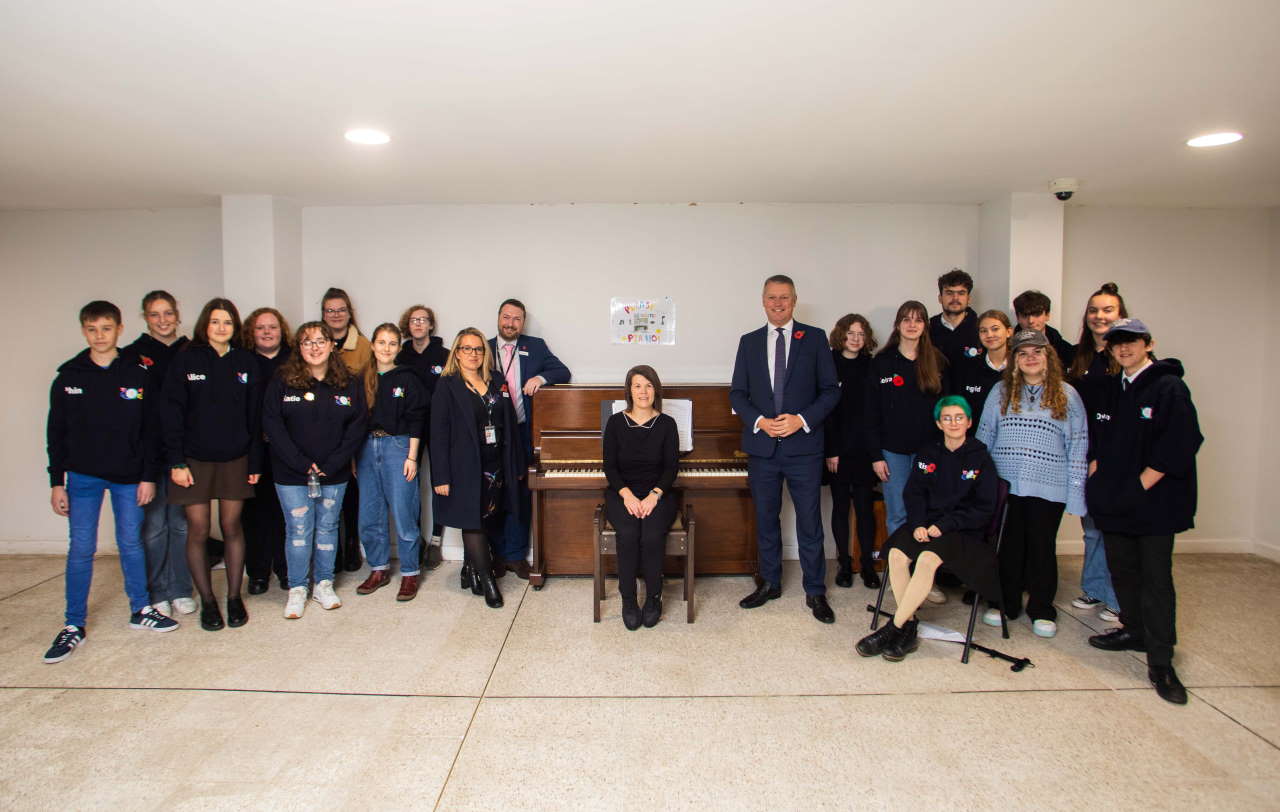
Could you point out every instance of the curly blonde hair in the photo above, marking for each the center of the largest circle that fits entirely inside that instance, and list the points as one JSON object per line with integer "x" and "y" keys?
{"x": 1053, "y": 396}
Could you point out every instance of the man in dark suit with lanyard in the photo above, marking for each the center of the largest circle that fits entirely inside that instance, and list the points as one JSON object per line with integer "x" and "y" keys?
{"x": 526, "y": 365}
{"x": 784, "y": 385}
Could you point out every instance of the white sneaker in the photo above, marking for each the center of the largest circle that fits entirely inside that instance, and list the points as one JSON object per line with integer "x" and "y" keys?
{"x": 991, "y": 617}
{"x": 1044, "y": 628}
{"x": 936, "y": 596}
{"x": 1108, "y": 615}
{"x": 297, "y": 603}
{"x": 184, "y": 605}
{"x": 324, "y": 595}
{"x": 163, "y": 608}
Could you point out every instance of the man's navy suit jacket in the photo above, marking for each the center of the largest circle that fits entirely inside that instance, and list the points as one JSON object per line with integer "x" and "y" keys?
{"x": 811, "y": 390}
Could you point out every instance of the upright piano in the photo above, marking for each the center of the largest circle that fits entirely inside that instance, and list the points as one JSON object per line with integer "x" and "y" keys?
{"x": 567, "y": 478}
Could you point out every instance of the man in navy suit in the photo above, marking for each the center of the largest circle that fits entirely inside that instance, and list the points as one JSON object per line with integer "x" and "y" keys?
{"x": 526, "y": 365}
{"x": 784, "y": 384}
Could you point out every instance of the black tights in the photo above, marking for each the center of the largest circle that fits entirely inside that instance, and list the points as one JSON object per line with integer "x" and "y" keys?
{"x": 844, "y": 491}
{"x": 198, "y": 518}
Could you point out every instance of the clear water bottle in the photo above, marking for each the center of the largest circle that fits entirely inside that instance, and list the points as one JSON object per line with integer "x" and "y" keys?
{"x": 313, "y": 485}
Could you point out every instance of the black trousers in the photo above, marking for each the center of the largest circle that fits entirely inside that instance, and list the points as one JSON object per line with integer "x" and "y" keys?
{"x": 642, "y": 543}
{"x": 349, "y": 549}
{"x": 264, "y": 531}
{"x": 1028, "y": 556}
{"x": 1142, "y": 574}
{"x": 845, "y": 491}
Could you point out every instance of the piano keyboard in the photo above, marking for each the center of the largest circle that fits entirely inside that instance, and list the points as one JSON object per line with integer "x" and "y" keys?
{"x": 596, "y": 473}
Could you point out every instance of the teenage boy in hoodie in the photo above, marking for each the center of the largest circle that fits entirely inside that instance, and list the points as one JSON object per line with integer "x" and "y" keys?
{"x": 102, "y": 438}
{"x": 1031, "y": 307}
{"x": 954, "y": 330}
{"x": 1141, "y": 492}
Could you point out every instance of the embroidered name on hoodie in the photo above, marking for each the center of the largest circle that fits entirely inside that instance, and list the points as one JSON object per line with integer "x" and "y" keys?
{"x": 1100, "y": 416}
{"x": 195, "y": 376}
{"x": 927, "y": 468}
{"x": 291, "y": 399}
{"x": 976, "y": 390}
{"x": 73, "y": 390}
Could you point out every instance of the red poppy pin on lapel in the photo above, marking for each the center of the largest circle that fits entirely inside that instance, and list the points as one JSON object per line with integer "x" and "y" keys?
{"x": 799, "y": 334}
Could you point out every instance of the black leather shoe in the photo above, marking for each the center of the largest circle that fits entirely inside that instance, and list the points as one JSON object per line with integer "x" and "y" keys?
{"x": 1118, "y": 640}
{"x": 237, "y": 615}
{"x": 1167, "y": 684}
{"x": 630, "y": 614}
{"x": 284, "y": 582}
{"x": 258, "y": 585}
{"x": 844, "y": 577}
{"x": 874, "y": 643}
{"x": 763, "y": 594}
{"x": 478, "y": 579}
{"x": 903, "y": 643}
{"x": 821, "y": 609}
{"x": 492, "y": 597}
{"x": 652, "y": 611}
{"x": 210, "y": 617}
{"x": 464, "y": 577}
{"x": 870, "y": 578}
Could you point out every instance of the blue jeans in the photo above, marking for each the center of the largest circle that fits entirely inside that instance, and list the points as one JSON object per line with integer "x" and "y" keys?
{"x": 84, "y": 497}
{"x": 164, "y": 539}
{"x": 310, "y": 531}
{"x": 1095, "y": 575}
{"x": 895, "y": 507}
{"x": 380, "y": 468}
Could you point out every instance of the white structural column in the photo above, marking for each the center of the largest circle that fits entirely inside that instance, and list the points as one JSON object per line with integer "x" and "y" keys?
{"x": 1022, "y": 240}
{"x": 262, "y": 253}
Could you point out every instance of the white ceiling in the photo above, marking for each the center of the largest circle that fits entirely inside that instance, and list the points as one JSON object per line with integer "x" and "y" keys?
{"x": 125, "y": 103}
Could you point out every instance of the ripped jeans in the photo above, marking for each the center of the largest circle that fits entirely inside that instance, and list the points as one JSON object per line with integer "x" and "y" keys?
{"x": 310, "y": 531}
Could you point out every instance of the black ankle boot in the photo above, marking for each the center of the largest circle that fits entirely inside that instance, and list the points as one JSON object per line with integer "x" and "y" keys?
{"x": 630, "y": 614}
{"x": 237, "y": 615}
{"x": 477, "y": 580}
{"x": 210, "y": 617}
{"x": 464, "y": 577}
{"x": 492, "y": 597}
{"x": 876, "y": 642}
{"x": 652, "y": 611}
{"x": 870, "y": 579}
{"x": 903, "y": 643}
{"x": 844, "y": 577}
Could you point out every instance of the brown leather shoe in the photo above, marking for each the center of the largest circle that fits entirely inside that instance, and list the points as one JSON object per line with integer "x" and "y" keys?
{"x": 377, "y": 580}
{"x": 497, "y": 568}
{"x": 408, "y": 588}
{"x": 520, "y": 568}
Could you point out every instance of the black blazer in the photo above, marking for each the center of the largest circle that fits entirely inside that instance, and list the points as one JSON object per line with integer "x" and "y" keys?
{"x": 455, "y": 452}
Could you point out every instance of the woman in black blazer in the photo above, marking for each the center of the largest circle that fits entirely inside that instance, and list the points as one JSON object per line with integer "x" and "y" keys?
{"x": 475, "y": 457}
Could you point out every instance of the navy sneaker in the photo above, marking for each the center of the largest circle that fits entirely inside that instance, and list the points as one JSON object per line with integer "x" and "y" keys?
{"x": 64, "y": 644}
{"x": 149, "y": 618}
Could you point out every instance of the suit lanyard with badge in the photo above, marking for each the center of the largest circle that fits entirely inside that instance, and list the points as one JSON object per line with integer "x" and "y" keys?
{"x": 490, "y": 430}
{"x": 506, "y": 389}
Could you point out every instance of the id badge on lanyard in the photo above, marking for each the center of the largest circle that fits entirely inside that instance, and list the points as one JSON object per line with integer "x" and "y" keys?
{"x": 490, "y": 435}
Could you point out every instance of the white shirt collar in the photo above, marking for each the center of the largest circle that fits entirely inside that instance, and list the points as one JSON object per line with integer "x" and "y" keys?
{"x": 772, "y": 329}
{"x": 1128, "y": 379}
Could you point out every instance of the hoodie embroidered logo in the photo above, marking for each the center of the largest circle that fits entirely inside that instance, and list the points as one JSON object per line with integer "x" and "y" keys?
{"x": 437, "y": 369}
{"x": 342, "y": 400}
{"x": 242, "y": 377}
{"x": 928, "y": 468}
{"x": 970, "y": 473}
{"x": 1146, "y": 413}
{"x": 128, "y": 393}
{"x": 398, "y": 392}
{"x": 972, "y": 352}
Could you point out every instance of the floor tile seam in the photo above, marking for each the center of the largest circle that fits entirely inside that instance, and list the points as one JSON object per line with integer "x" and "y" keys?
{"x": 33, "y": 586}
{"x": 480, "y": 699}
{"x": 199, "y": 689}
{"x": 1274, "y": 745}
{"x": 851, "y": 695}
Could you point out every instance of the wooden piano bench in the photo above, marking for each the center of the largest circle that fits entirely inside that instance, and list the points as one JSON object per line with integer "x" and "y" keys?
{"x": 679, "y": 544}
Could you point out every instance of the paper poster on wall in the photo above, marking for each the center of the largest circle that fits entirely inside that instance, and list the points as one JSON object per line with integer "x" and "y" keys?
{"x": 643, "y": 321}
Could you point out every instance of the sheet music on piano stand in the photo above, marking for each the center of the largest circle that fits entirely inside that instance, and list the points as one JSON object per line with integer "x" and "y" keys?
{"x": 679, "y": 409}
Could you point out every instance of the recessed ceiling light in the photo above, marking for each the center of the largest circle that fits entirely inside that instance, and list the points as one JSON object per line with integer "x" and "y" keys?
{"x": 367, "y": 136}
{"x": 1214, "y": 139}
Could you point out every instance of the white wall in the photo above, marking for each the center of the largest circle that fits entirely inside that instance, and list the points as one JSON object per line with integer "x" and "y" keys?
{"x": 1267, "y": 517}
{"x": 1201, "y": 280}
{"x": 566, "y": 262}
{"x": 53, "y": 263}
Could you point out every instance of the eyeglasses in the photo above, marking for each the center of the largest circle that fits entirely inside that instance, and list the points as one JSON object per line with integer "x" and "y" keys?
{"x": 419, "y": 320}
{"x": 953, "y": 418}
{"x": 316, "y": 343}
{"x": 334, "y": 311}
{"x": 471, "y": 350}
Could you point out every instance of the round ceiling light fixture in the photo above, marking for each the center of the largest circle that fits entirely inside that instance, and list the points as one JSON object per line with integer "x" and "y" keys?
{"x": 1214, "y": 139}
{"x": 366, "y": 136}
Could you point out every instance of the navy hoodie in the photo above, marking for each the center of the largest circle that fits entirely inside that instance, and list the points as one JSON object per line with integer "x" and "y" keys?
{"x": 956, "y": 490}
{"x": 1152, "y": 423}
{"x": 400, "y": 407}
{"x": 213, "y": 407}
{"x": 957, "y": 344}
{"x": 428, "y": 364}
{"x": 899, "y": 417}
{"x": 321, "y": 424}
{"x": 973, "y": 379}
{"x": 156, "y": 356}
{"x": 102, "y": 421}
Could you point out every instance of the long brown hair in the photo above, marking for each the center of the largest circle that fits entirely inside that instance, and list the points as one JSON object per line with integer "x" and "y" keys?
{"x": 296, "y": 372}
{"x": 929, "y": 361}
{"x": 1084, "y": 347}
{"x": 837, "y": 335}
{"x": 371, "y": 369}
{"x": 339, "y": 293}
{"x": 200, "y": 335}
{"x": 1053, "y": 396}
{"x": 246, "y": 332}
{"x": 451, "y": 366}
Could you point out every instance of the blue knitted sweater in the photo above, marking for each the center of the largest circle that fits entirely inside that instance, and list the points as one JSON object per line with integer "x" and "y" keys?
{"x": 1035, "y": 454}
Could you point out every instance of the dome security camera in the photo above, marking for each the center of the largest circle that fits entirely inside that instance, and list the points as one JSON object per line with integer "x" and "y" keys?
{"x": 1064, "y": 188}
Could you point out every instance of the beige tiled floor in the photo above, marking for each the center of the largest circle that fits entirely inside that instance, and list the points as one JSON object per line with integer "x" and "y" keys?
{"x": 444, "y": 703}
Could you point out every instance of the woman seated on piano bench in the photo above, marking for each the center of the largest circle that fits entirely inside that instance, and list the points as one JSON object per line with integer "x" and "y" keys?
{"x": 641, "y": 451}
{"x": 950, "y": 498}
